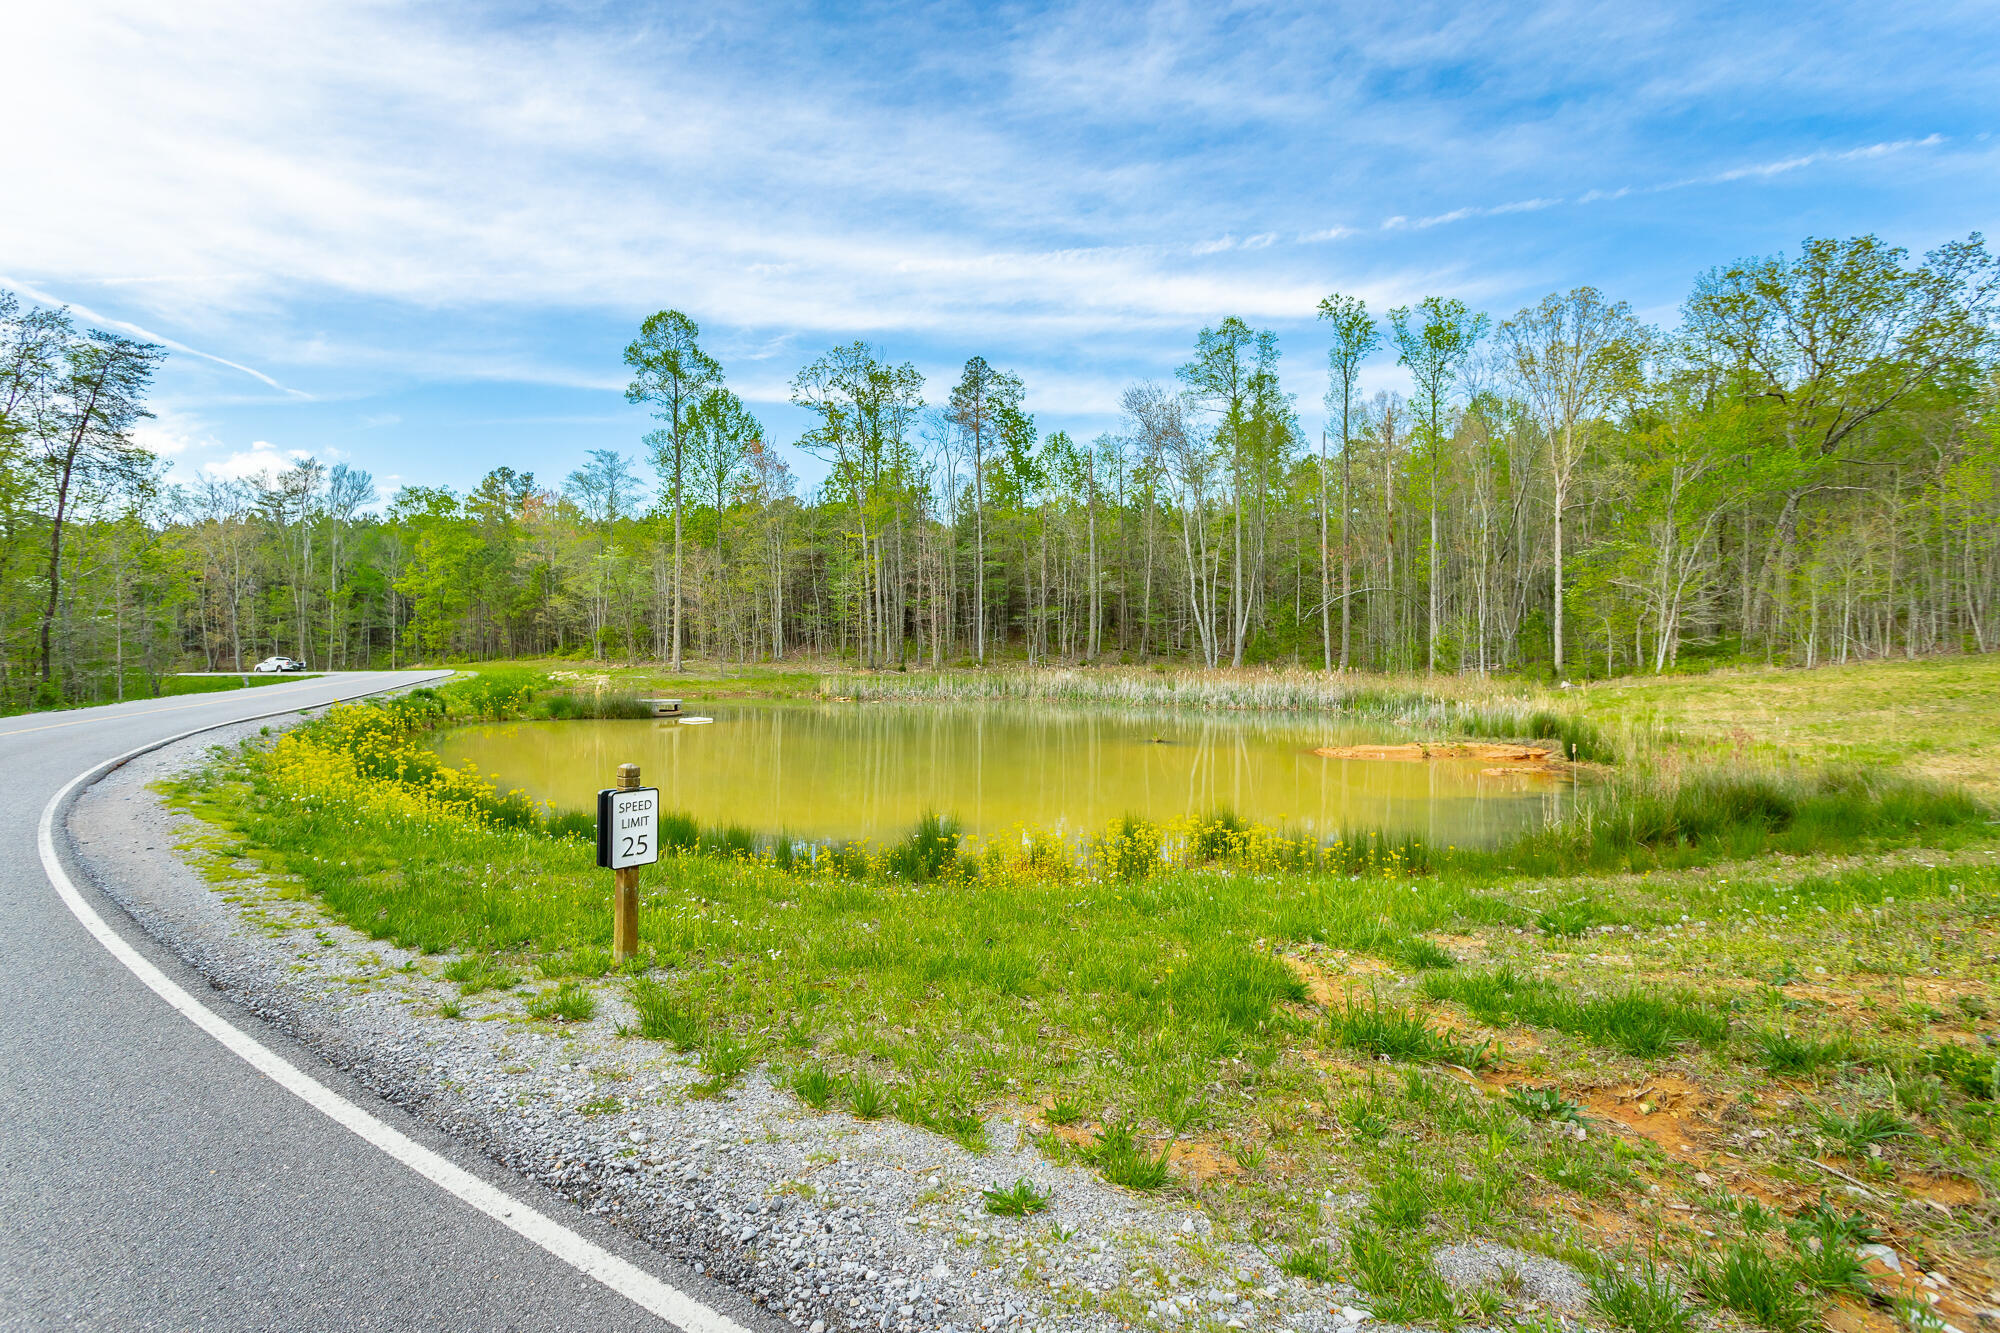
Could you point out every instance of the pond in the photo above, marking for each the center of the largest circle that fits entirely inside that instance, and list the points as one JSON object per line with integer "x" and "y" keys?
{"x": 833, "y": 771}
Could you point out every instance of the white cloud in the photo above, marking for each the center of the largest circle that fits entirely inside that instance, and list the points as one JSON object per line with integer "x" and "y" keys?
{"x": 261, "y": 459}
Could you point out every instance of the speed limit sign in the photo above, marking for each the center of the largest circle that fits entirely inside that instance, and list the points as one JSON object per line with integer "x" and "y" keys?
{"x": 628, "y": 827}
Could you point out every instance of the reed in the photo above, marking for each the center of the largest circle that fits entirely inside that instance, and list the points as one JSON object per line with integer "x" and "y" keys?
{"x": 1445, "y": 706}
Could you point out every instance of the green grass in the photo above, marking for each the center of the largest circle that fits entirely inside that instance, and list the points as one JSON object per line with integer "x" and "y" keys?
{"x": 1633, "y": 1021}
{"x": 664, "y": 1017}
{"x": 1173, "y": 1003}
{"x": 1380, "y": 1028}
{"x": 570, "y": 1002}
{"x": 1864, "y": 1129}
{"x": 1761, "y": 1287}
{"x": 1397, "y": 1276}
{"x": 1643, "y": 1300}
{"x": 866, "y": 1098}
{"x": 814, "y": 1086}
{"x": 1785, "y": 1052}
{"x": 477, "y": 972}
{"x": 1312, "y": 1265}
{"x": 1017, "y": 1200}
{"x": 1121, "y": 1159}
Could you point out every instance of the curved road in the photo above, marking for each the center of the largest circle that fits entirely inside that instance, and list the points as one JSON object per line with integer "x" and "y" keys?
{"x": 151, "y": 1178}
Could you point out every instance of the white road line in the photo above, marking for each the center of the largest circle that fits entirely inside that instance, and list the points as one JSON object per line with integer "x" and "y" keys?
{"x": 628, "y": 1280}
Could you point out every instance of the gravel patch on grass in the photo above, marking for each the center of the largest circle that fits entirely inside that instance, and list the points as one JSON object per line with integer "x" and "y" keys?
{"x": 830, "y": 1222}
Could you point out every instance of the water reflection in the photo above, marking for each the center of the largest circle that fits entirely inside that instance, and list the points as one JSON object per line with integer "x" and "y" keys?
{"x": 832, "y": 770}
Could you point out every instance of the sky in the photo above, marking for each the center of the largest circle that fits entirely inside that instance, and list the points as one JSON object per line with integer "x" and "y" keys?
{"x": 416, "y": 239}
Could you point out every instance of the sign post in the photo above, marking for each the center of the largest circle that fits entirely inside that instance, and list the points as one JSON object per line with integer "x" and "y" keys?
{"x": 628, "y": 836}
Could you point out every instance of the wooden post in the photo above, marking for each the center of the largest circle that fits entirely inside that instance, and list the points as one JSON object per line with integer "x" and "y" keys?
{"x": 625, "y": 891}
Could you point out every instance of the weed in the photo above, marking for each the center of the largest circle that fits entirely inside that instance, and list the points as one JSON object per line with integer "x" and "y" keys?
{"x": 1633, "y": 1021}
{"x": 1785, "y": 1052}
{"x": 814, "y": 1086}
{"x": 1645, "y": 1301}
{"x": 477, "y": 972}
{"x": 1419, "y": 954}
{"x": 1402, "y": 1034}
{"x": 1312, "y": 1265}
{"x": 1063, "y": 1111}
{"x": 1974, "y": 1071}
{"x": 1761, "y": 1288}
{"x": 1120, "y": 1160}
{"x": 1016, "y": 1200}
{"x": 1864, "y": 1129}
{"x": 662, "y": 1017}
{"x": 451, "y": 1009}
{"x": 600, "y": 1106}
{"x": 867, "y": 1098}
{"x": 725, "y": 1058}
{"x": 571, "y": 1002}
{"x": 1250, "y": 1156}
{"x": 1542, "y": 1103}
{"x": 1831, "y": 1264}
{"x": 930, "y": 851}
{"x": 1365, "y": 1115}
{"x": 1572, "y": 918}
{"x": 1402, "y": 1286}
{"x": 1401, "y": 1199}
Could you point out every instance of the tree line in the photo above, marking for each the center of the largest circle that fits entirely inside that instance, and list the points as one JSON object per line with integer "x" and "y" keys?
{"x": 1805, "y": 469}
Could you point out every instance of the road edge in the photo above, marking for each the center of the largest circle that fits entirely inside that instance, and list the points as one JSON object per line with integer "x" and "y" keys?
{"x": 650, "y": 1293}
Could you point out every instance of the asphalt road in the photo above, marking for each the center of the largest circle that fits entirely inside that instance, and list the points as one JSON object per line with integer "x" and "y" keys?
{"x": 151, "y": 1179}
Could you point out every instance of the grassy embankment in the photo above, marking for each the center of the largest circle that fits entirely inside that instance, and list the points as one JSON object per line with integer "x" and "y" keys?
{"x": 168, "y": 687}
{"x": 1724, "y": 1079}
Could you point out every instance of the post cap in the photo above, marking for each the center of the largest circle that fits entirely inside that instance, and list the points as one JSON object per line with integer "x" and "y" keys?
{"x": 628, "y": 775}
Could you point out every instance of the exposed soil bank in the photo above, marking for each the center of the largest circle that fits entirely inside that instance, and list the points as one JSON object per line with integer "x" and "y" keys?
{"x": 1501, "y": 758}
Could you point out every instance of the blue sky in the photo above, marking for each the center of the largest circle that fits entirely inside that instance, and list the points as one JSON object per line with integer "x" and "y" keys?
{"x": 416, "y": 239}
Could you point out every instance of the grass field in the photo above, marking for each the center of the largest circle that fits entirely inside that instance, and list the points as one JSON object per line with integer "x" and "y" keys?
{"x": 1707, "y": 1084}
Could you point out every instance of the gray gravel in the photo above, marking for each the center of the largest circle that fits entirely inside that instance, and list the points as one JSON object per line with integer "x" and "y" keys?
{"x": 830, "y": 1222}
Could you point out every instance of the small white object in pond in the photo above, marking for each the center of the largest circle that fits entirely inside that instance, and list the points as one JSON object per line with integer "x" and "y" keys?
{"x": 696, "y": 721}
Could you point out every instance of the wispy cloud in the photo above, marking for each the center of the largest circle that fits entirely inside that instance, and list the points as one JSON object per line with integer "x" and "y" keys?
{"x": 477, "y": 203}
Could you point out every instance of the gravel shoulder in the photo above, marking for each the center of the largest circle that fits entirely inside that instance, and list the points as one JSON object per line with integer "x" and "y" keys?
{"x": 827, "y": 1221}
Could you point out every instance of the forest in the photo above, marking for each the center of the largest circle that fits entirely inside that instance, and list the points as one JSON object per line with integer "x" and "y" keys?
{"x": 1804, "y": 469}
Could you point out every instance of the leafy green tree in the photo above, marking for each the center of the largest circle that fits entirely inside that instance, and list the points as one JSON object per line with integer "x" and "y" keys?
{"x": 1435, "y": 348}
{"x": 1355, "y": 334}
{"x": 670, "y": 371}
{"x": 982, "y": 399}
{"x": 1571, "y": 355}
{"x": 99, "y": 398}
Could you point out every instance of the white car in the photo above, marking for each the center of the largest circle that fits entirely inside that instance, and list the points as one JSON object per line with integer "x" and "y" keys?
{"x": 270, "y": 664}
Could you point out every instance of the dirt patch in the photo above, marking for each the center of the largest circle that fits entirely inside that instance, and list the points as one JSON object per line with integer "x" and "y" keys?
{"x": 1951, "y": 1191}
{"x": 1328, "y": 988}
{"x": 1199, "y": 1162}
{"x": 1506, "y": 759}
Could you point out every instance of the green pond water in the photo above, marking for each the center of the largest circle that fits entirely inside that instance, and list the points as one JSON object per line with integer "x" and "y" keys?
{"x": 845, "y": 770}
